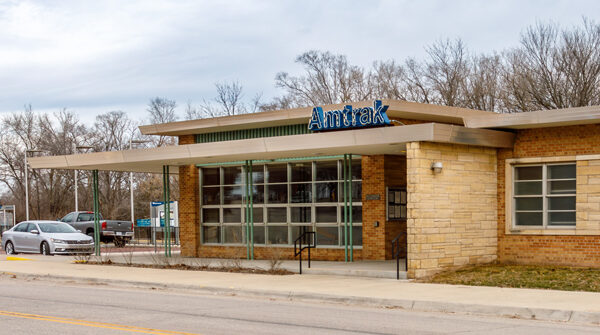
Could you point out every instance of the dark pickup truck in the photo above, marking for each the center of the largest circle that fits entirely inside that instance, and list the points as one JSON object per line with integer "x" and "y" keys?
{"x": 119, "y": 232}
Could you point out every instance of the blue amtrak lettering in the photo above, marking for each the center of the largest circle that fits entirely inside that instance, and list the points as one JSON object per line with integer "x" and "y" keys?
{"x": 349, "y": 117}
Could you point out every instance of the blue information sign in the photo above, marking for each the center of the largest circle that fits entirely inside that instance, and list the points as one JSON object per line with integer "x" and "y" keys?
{"x": 349, "y": 117}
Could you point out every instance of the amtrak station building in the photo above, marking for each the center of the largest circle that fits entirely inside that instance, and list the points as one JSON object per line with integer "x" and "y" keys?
{"x": 451, "y": 186}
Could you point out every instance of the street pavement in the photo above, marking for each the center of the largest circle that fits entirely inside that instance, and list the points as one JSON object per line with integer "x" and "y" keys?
{"x": 563, "y": 306}
{"x": 41, "y": 307}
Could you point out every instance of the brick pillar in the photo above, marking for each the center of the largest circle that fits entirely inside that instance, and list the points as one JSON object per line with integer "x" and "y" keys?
{"x": 373, "y": 183}
{"x": 189, "y": 207}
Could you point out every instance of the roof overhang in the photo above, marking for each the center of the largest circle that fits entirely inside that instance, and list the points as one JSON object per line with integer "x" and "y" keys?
{"x": 374, "y": 141}
{"x": 537, "y": 119}
{"x": 397, "y": 109}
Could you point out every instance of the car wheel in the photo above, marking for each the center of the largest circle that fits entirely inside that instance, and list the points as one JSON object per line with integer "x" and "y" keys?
{"x": 9, "y": 248}
{"x": 91, "y": 234}
{"x": 45, "y": 249}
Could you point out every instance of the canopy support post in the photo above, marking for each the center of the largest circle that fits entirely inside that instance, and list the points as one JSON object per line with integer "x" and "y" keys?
{"x": 167, "y": 210}
{"x": 96, "y": 212}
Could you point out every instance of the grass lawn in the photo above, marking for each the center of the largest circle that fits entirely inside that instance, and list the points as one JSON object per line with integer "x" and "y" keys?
{"x": 523, "y": 276}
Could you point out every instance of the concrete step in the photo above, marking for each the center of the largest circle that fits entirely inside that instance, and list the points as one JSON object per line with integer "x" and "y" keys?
{"x": 354, "y": 272}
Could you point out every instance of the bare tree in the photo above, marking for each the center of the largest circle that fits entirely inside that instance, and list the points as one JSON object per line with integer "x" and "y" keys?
{"x": 554, "y": 68}
{"x": 162, "y": 110}
{"x": 328, "y": 79}
{"x": 228, "y": 101}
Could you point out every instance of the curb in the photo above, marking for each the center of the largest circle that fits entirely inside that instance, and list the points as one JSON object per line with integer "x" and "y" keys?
{"x": 541, "y": 314}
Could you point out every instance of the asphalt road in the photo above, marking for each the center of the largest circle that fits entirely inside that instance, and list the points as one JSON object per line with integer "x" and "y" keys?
{"x": 39, "y": 307}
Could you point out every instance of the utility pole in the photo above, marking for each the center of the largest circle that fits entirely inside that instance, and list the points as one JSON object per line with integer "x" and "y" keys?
{"x": 27, "y": 182}
{"x": 131, "y": 142}
{"x": 75, "y": 148}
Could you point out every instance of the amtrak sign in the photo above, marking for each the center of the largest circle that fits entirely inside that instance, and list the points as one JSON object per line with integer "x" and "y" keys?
{"x": 349, "y": 117}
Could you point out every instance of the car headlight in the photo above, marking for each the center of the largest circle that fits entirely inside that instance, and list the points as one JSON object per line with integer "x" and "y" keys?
{"x": 56, "y": 240}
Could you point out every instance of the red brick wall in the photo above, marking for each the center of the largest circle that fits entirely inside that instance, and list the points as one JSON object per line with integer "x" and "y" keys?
{"x": 373, "y": 182}
{"x": 547, "y": 249}
{"x": 189, "y": 220}
{"x": 261, "y": 252}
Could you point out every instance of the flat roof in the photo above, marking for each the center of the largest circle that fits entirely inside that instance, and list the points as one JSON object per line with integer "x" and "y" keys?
{"x": 372, "y": 141}
{"x": 538, "y": 119}
{"x": 397, "y": 109}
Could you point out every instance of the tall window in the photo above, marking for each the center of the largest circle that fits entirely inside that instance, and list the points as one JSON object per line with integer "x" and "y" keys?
{"x": 288, "y": 199}
{"x": 544, "y": 195}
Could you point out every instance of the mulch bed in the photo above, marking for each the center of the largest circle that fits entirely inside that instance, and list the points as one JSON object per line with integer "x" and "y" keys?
{"x": 232, "y": 269}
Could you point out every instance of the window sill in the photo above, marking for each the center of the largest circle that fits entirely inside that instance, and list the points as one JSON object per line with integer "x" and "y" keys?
{"x": 546, "y": 231}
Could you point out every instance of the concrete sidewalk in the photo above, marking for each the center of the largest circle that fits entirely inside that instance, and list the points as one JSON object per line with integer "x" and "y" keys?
{"x": 563, "y": 306}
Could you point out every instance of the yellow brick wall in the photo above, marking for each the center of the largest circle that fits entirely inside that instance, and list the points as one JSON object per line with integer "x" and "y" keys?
{"x": 588, "y": 197}
{"x": 452, "y": 216}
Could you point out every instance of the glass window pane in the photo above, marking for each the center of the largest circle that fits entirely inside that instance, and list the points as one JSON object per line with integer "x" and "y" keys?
{"x": 277, "y": 215}
{"x": 529, "y": 204}
{"x": 232, "y": 234}
{"x": 278, "y": 235}
{"x": 356, "y": 191}
{"x": 561, "y": 203}
{"x": 327, "y": 170}
{"x": 259, "y": 235}
{"x": 327, "y": 192}
{"x": 561, "y": 218}
{"x": 356, "y": 169}
{"x": 232, "y": 175}
{"x": 278, "y": 194}
{"x": 257, "y": 213}
{"x": 562, "y": 187}
{"x": 300, "y": 214}
{"x": 357, "y": 235}
{"x": 277, "y": 173}
{"x": 211, "y": 234}
{"x": 528, "y": 173}
{"x": 210, "y": 215}
{"x": 211, "y": 195}
{"x": 302, "y": 171}
{"x": 298, "y": 230}
{"x": 561, "y": 171}
{"x": 258, "y": 174}
{"x": 302, "y": 193}
{"x": 326, "y": 214}
{"x": 232, "y": 215}
{"x": 528, "y": 188}
{"x": 528, "y": 218}
{"x": 210, "y": 176}
{"x": 258, "y": 194}
{"x": 356, "y": 214}
{"x": 232, "y": 195}
{"x": 327, "y": 236}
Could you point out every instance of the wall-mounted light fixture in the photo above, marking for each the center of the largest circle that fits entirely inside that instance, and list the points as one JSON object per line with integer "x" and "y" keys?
{"x": 436, "y": 167}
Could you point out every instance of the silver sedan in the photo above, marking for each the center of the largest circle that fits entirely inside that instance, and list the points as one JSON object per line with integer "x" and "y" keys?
{"x": 47, "y": 238}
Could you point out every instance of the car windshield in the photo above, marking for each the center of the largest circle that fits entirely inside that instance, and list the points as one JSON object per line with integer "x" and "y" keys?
{"x": 48, "y": 227}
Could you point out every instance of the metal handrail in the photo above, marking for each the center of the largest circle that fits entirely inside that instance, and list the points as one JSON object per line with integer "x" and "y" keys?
{"x": 298, "y": 248}
{"x": 396, "y": 255}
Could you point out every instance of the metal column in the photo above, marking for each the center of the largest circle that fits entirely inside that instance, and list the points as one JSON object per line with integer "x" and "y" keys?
{"x": 96, "y": 212}
{"x": 345, "y": 175}
{"x": 249, "y": 211}
{"x": 350, "y": 208}
{"x": 167, "y": 210}
{"x": 348, "y": 238}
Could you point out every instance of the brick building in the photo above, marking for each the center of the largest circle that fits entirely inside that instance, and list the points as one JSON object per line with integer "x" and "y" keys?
{"x": 454, "y": 186}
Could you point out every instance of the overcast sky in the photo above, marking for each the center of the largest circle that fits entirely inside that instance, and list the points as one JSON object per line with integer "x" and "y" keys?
{"x": 98, "y": 56}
